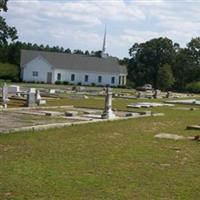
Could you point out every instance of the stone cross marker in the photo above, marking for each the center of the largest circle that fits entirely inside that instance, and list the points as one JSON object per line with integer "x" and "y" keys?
{"x": 108, "y": 113}
{"x": 31, "y": 97}
{"x": 5, "y": 95}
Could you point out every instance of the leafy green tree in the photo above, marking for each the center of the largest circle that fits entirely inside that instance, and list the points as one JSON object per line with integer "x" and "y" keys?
{"x": 124, "y": 61}
{"x": 165, "y": 77}
{"x": 187, "y": 65}
{"x": 194, "y": 49}
{"x": 148, "y": 57}
{"x": 183, "y": 69}
{"x": 14, "y": 51}
{"x": 193, "y": 87}
{"x": 9, "y": 72}
{"x": 3, "y": 5}
{"x": 87, "y": 53}
{"x": 6, "y": 32}
{"x": 68, "y": 51}
{"x": 78, "y": 51}
{"x": 96, "y": 54}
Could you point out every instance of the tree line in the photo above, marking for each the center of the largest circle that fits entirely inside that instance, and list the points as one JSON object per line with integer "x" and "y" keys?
{"x": 10, "y": 53}
{"x": 164, "y": 64}
{"x": 159, "y": 61}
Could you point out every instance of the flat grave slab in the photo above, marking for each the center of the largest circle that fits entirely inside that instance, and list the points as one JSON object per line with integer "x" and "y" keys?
{"x": 185, "y": 108}
{"x": 71, "y": 113}
{"x": 169, "y": 136}
{"x": 93, "y": 116}
{"x": 185, "y": 102}
{"x": 77, "y": 118}
{"x": 147, "y": 105}
{"x": 193, "y": 127}
{"x": 30, "y": 112}
{"x": 52, "y": 113}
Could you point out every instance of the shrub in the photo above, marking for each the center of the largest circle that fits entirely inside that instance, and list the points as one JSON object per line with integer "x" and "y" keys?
{"x": 193, "y": 87}
{"x": 9, "y": 72}
{"x": 79, "y": 83}
{"x": 93, "y": 84}
{"x": 58, "y": 82}
{"x": 124, "y": 86}
{"x": 66, "y": 83}
{"x": 130, "y": 84}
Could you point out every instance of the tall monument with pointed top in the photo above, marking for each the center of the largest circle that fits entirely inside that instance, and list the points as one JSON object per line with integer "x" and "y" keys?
{"x": 103, "y": 53}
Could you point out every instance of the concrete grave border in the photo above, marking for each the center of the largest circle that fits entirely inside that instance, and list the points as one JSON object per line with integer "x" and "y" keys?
{"x": 62, "y": 125}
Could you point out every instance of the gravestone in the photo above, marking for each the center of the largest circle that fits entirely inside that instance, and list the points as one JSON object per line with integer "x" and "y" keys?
{"x": 52, "y": 91}
{"x": 149, "y": 94}
{"x": 71, "y": 113}
{"x": 39, "y": 99}
{"x": 108, "y": 113}
{"x": 169, "y": 94}
{"x": 5, "y": 95}
{"x": 157, "y": 94}
{"x": 140, "y": 95}
{"x": 31, "y": 97}
{"x": 14, "y": 89}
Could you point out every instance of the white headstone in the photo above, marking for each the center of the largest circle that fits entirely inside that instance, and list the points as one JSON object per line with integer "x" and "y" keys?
{"x": 108, "y": 113}
{"x": 32, "y": 90}
{"x": 157, "y": 94}
{"x": 13, "y": 89}
{"x": 41, "y": 102}
{"x": 38, "y": 97}
{"x": 31, "y": 97}
{"x": 52, "y": 91}
{"x": 5, "y": 95}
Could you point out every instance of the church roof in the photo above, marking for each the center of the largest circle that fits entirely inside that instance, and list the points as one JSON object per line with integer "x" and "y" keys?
{"x": 75, "y": 62}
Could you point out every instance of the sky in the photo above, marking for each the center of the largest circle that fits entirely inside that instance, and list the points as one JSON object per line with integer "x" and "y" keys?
{"x": 79, "y": 24}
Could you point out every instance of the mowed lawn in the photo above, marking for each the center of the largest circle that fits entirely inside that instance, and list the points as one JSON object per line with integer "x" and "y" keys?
{"x": 107, "y": 160}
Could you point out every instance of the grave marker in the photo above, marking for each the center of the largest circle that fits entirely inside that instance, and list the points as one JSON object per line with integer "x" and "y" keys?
{"x": 108, "y": 113}
{"x": 5, "y": 95}
{"x": 157, "y": 94}
{"x": 31, "y": 97}
{"x": 39, "y": 99}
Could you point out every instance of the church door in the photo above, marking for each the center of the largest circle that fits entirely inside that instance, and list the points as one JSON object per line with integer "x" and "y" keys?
{"x": 49, "y": 77}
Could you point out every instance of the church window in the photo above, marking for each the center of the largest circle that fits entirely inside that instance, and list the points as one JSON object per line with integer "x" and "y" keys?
{"x": 99, "y": 79}
{"x": 34, "y": 73}
{"x": 59, "y": 77}
{"x": 113, "y": 80}
{"x": 86, "y": 78}
{"x": 73, "y": 77}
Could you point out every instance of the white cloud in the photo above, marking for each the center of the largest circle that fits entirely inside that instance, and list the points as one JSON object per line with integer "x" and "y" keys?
{"x": 80, "y": 24}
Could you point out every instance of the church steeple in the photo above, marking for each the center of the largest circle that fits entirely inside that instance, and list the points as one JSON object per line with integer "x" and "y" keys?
{"x": 103, "y": 53}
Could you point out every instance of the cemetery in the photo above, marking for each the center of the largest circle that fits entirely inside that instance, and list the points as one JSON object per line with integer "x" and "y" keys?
{"x": 34, "y": 115}
{"x": 85, "y": 120}
{"x": 89, "y": 137}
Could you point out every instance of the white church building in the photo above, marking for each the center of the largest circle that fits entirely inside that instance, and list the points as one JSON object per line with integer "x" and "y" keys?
{"x": 50, "y": 67}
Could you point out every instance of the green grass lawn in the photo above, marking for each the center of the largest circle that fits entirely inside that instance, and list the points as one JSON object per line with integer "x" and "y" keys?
{"x": 110, "y": 160}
